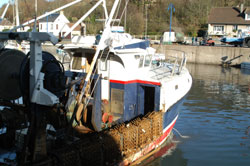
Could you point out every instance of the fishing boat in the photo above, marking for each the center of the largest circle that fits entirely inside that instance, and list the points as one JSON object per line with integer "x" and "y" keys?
{"x": 118, "y": 102}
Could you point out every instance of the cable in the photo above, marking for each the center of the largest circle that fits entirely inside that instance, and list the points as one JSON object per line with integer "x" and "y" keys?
{"x": 117, "y": 13}
{"x": 125, "y": 8}
{"x": 182, "y": 136}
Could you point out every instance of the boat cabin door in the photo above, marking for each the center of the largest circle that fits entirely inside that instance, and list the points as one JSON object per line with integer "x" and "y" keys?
{"x": 146, "y": 99}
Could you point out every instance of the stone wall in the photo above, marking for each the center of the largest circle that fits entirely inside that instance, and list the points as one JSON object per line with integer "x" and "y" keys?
{"x": 207, "y": 54}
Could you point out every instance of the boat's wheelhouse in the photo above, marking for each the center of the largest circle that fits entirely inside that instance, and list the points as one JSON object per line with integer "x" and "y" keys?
{"x": 130, "y": 92}
{"x": 126, "y": 89}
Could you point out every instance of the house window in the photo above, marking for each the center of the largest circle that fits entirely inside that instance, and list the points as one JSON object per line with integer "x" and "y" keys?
{"x": 219, "y": 28}
{"x": 247, "y": 17}
{"x": 248, "y": 27}
{"x": 51, "y": 26}
{"x": 41, "y": 26}
{"x": 56, "y": 26}
{"x": 235, "y": 27}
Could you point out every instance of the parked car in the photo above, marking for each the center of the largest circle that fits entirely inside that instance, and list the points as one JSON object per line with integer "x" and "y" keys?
{"x": 208, "y": 42}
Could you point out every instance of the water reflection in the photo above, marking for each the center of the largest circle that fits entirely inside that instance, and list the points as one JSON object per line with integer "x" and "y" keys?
{"x": 168, "y": 155}
{"x": 216, "y": 116}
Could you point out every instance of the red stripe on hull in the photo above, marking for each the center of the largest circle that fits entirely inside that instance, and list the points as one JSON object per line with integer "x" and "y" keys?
{"x": 161, "y": 139}
{"x": 135, "y": 81}
{"x": 150, "y": 147}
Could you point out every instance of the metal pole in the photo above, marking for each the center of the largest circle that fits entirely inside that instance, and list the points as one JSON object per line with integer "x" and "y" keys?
{"x": 83, "y": 18}
{"x": 5, "y": 10}
{"x": 146, "y": 30}
{"x": 17, "y": 14}
{"x": 44, "y": 15}
{"x": 47, "y": 24}
{"x": 125, "y": 18}
{"x": 36, "y": 8}
{"x": 172, "y": 9}
{"x": 102, "y": 45}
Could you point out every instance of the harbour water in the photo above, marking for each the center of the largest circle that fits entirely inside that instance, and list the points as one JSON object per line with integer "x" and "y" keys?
{"x": 216, "y": 119}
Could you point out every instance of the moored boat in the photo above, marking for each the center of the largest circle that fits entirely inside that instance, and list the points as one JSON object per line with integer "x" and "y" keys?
{"x": 137, "y": 85}
{"x": 118, "y": 102}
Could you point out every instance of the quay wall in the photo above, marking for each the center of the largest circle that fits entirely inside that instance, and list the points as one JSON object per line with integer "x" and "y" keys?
{"x": 207, "y": 54}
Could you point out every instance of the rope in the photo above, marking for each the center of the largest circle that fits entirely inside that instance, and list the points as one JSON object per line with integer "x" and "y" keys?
{"x": 182, "y": 136}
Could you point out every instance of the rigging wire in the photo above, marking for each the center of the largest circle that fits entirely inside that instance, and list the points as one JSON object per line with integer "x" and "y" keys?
{"x": 119, "y": 6}
{"x": 125, "y": 8}
{"x": 117, "y": 12}
{"x": 102, "y": 53}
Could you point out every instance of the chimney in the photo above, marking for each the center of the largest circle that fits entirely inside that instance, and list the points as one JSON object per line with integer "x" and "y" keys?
{"x": 241, "y": 7}
{"x": 61, "y": 12}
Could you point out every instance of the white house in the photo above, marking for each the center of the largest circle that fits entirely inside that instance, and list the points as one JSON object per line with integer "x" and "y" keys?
{"x": 5, "y": 24}
{"x": 80, "y": 30}
{"x": 227, "y": 21}
{"x": 53, "y": 23}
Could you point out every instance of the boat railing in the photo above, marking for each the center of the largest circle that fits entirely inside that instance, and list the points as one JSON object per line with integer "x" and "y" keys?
{"x": 165, "y": 65}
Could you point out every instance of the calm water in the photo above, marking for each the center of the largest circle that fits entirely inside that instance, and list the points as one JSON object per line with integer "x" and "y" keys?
{"x": 216, "y": 117}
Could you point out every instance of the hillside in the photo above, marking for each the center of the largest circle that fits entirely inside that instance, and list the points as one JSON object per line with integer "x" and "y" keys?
{"x": 190, "y": 16}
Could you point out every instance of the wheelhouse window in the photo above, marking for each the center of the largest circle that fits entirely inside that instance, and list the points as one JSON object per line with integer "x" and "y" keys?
{"x": 103, "y": 64}
{"x": 141, "y": 61}
{"x": 147, "y": 60}
{"x": 219, "y": 28}
{"x": 77, "y": 63}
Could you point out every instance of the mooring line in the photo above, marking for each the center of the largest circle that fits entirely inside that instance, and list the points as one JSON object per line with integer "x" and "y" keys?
{"x": 182, "y": 136}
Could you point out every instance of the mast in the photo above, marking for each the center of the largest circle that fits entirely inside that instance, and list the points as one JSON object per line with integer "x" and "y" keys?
{"x": 101, "y": 46}
{"x": 78, "y": 108}
{"x": 5, "y": 10}
{"x": 36, "y": 8}
{"x": 146, "y": 28}
{"x": 125, "y": 17}
{"x": 17, "y": 13}
{"x": 46, "y": 14}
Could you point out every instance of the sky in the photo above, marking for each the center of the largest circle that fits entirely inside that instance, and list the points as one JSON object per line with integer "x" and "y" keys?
{"x": 3, "y": 2}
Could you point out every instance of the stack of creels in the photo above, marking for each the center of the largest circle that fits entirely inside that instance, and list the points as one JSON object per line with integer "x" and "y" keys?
{"x": 117, "y": 137}
{"x": 145, "y": 132}
{"x": 130, "y": 139}
{"x": 157, "y": 127}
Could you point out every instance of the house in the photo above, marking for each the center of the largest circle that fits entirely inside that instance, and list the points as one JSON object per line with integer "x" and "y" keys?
{"x": 5, "y": 24}
{"x": 226, "y": 21}
{"x": 53, "y": 23}
{"x": 80, "y": 30}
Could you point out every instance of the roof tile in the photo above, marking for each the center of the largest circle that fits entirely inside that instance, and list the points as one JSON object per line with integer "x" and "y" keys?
{"x": 227, "y": 15}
